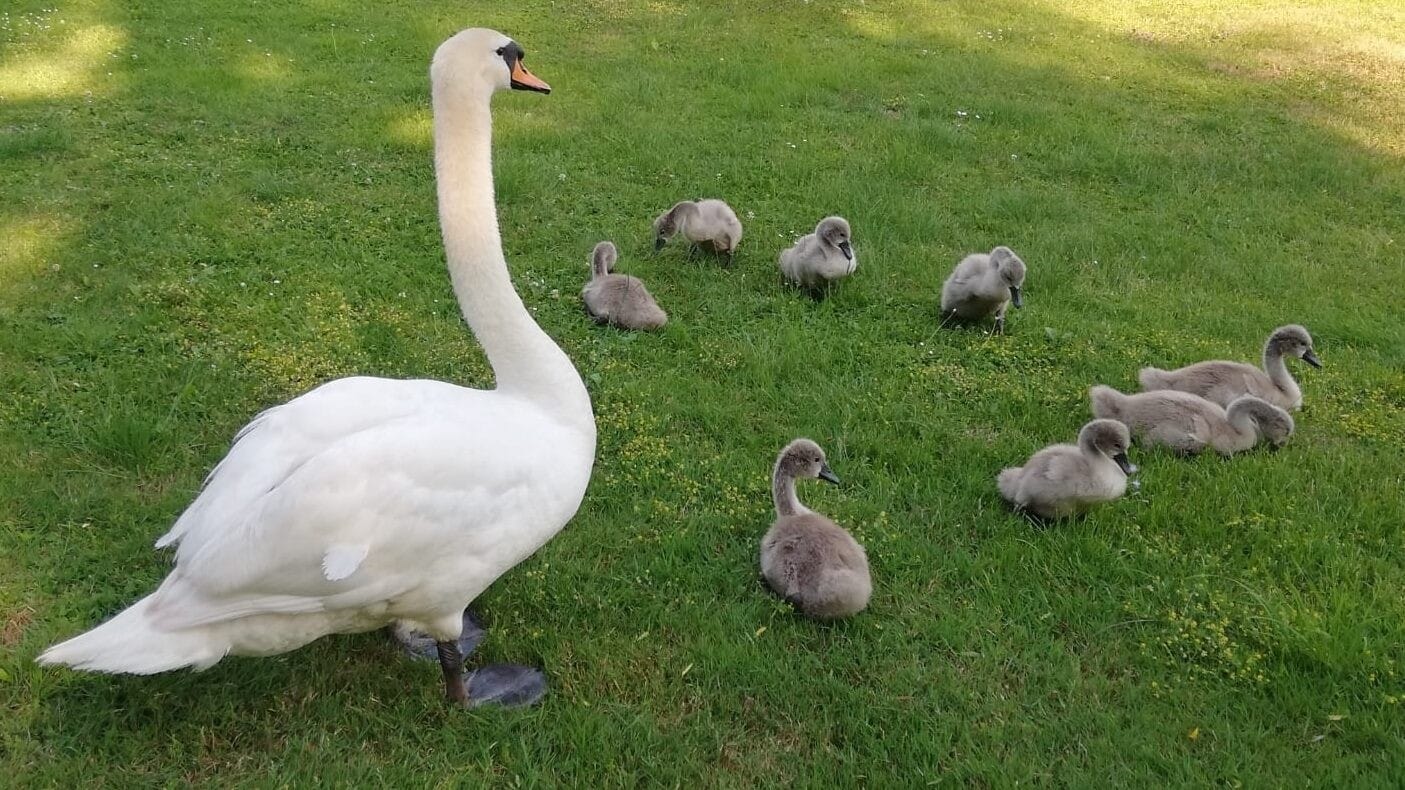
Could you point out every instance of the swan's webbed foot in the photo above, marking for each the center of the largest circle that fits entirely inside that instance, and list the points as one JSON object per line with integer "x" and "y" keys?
{"x": 425, "y": 648}
{"x": 508, "y": 685}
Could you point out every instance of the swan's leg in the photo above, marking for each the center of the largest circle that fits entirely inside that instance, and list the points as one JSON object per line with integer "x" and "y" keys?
{"x": 451, "y": 662}
{"x": 1000, "y": 322}
{"x": 508, "y": 685}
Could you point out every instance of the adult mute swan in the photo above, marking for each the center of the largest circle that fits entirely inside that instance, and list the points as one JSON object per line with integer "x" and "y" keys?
{"x": 370, "y": 501}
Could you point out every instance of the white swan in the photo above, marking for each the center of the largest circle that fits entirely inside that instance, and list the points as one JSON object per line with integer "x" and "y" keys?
{"x": 373, "y": 501}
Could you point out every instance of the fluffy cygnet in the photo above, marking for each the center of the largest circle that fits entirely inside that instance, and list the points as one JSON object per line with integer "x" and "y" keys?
{"x": 822, "y": 257}
{"x": 1066, "y": 479}
{"x": 618, "y": 298}
{"x": 709, "y": 224}
{"x": 806, "y": 558}
{"x": 1188, "y": 423}
{"x": 984, "y": 285}
{"x": 1221, "y": 381}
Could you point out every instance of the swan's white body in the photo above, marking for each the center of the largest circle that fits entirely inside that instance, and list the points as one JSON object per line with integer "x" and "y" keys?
{"x": 370, "y": 501}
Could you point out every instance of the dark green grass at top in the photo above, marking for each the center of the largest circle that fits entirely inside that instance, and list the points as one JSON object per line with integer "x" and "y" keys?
{"x": 245, "y": 209}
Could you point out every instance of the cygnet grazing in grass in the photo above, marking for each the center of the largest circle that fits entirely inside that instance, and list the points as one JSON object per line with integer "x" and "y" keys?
{"x": 822, "y": 257}
{"x": 1222, "y": 382}
{"x": 709, "y": 224}
{"x": 618, "y": 298}
{"x": 1064, "y": 479}
{"x": 984, "y": 285}
{"x": 806, "y": 558}
{"x": 1188, "y": 423}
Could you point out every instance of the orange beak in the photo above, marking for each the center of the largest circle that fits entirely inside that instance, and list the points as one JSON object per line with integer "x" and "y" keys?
{"x": 523, "y": 80}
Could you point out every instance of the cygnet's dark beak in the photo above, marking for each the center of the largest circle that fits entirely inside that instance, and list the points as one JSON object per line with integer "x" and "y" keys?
{"x": 1128, "y": 468}
{"x": 1016, "y": 298}
{"x": 847, "y": 250}
{"x": 1311, "y": 359}
{"x": 522, "y": 80}
{"x": 659, "y": 242}
{"x": 828, "y": 475}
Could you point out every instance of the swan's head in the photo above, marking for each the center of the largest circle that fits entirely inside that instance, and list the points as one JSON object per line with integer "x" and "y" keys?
{"x": 602, "y": 258}
{"x": 1011, "y": 270}
{"x": 481, "y": 61}
{"x": 1273, "y": 423}
{"x": 1111, "y": 438}
{"x": 804, "y": 458}
{"x": 835, "y": 232}
{"x": 1293, "y": 341}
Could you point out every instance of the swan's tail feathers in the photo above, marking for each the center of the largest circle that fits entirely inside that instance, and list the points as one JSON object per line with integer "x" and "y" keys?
{"x": 130, "y": 643}
{"x": 1105, "y": 402}
{"x": 1009, "y": 483}
{"x": 1153, "y": 379}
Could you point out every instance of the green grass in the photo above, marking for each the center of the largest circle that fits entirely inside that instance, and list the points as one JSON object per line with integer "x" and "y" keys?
{"x": 210, "y": 207}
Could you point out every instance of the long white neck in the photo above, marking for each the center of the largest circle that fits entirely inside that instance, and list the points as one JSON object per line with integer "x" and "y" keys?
{"x": 525, "y": 361}
{"x": 783, "y": 494}
{"x": 1278, "y": 373}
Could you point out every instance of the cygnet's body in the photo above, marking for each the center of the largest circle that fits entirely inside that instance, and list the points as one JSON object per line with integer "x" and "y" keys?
{"x": 822, "y": 257}
{"x": 1066, "y": 479}
{"x": 806, "y": 558}
{"x": 710, "y": 224}
{"x": 1188, "y": 423}
{"x": 618, "y": 298}
{"x": 1221, "y": 382}
{"x": 984, "y": 285}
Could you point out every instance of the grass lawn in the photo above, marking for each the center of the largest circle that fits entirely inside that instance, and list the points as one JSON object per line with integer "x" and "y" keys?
{"x": 209, "y": 207}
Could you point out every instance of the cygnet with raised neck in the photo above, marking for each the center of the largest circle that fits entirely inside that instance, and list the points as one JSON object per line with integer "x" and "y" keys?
{"x": 806, "y": 558}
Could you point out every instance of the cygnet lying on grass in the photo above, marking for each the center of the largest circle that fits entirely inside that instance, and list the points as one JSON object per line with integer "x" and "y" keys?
{"x": 618, "y": 298}
{"x": 806, "y": 558}
{"x": 1065, "y": 479}
{"x": 1188, "y": 423}
{"x": 1222, "y": 381}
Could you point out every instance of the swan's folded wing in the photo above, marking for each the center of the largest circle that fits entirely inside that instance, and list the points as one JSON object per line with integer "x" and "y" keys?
{"x": 401, "y": 498}
{"x": 276, "y": 442}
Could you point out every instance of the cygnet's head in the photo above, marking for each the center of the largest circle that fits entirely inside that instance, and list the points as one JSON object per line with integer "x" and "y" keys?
{"x": 1011, "y": 270}
{"x": 1293, "y": 341}
{"x": 1275, "y": 425}
{"x": 804, "y": 458}
{"x": 1112, "y": 439}
{"x": 834, "y": 231}
{"x": 602, "y": 258}
{"x": 666, "y": 224}
{"x": 478, "y": 61}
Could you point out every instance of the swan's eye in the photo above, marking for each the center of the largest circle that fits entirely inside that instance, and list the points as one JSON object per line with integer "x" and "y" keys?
{"x": 500, "y": 50}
